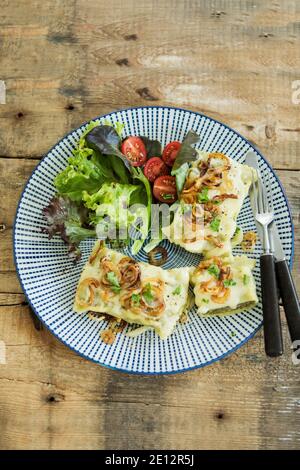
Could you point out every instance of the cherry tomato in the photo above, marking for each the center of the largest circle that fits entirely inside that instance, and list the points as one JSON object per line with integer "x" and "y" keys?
{"x": 154, "y": 168}
{"x": 170, "y": 152}
{"x": 134, "y": 150}
{"x": 164, "y": 189}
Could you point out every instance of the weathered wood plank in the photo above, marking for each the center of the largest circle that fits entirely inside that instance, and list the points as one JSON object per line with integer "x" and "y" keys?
{"x": 66, "y": 62}
{"x": 107, "y": 62}
{"x": 9, "y": 282}
{"x": 245, "y": 401}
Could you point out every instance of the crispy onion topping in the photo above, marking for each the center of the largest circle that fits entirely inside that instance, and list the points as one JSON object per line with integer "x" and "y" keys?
{"x": 96, "y": 252}
{"x": 222, "y": 197}
{"x": 130, "y": 273}
{"x": 221, "y": 296}
{"x": 85, "y": 294}
{"x": 147, "y": 300}
{"x": 193, "y": 224}
{"x": 219, "y": 157}
{"x": 215, "y": 285}
{"x": 107, "y": 266}
{"x": 208, "y": 262}
{"x": 249, "y": 241}
{"x": 214, "y": 241}
{"x": 153, "y": 304}
{"x": 211, "y": 286}
{"x": 210, "y": 176}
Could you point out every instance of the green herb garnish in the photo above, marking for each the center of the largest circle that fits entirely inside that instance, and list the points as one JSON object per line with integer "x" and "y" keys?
{"x": 177, "y": 291}
{"x": 136, "y": 299}
{"x": 167, "y": 196}
{"x": 232, "y": 334}
{"x": 113, "y": 280}
{"x": 203, "y": 196}
{"x": 147, "y": 294}
{"x": 246, "y": 279}
{"x": 214, "y": 270}
{"x": 205, "y": 301}
{"x": 215, "y": 224}
{"x": 229, "y": 282}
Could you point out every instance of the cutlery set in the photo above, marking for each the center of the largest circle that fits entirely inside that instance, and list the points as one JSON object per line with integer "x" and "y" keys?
{"x": 276, "y": 279}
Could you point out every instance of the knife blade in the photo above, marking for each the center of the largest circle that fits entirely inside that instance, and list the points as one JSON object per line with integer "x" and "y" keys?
{"x": 285, "y": 281}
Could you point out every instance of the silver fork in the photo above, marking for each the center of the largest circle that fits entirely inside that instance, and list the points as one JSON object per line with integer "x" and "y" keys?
{"x": 264, "y": 214}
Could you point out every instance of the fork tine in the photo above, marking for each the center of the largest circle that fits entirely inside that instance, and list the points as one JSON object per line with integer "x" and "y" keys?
{"x": 264, "y": 193}
{"x": 270, "y": 196}
{"x": 260, "y": 192}
{"x": 254, "y": 193}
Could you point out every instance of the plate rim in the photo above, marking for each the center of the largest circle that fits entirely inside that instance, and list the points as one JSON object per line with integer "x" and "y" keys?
{"x": 118, "y": 369}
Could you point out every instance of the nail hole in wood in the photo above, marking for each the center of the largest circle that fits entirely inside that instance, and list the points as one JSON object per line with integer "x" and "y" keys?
{"x": 146, "y": 94}
{"x": 70, "y": 107}
{"x": 55, "y": 398}
{"x": 20, "y": 115}
{"x": 220, "y": 415}
{"x": 131, "y": 37}
{"x": 122, "y": 62}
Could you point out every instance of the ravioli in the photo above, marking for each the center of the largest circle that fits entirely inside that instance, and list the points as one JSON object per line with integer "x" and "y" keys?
{"x": 212, "y": 197}
{"x": 224, "y": 286}
{"x": 136, "y": 292}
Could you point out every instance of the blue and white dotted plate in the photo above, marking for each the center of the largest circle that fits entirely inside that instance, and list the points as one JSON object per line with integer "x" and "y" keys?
{"x": 49, "y": 278}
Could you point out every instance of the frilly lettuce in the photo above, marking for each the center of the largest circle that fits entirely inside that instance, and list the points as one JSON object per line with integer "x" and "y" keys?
{"x": 70, "y": 221}
{"x": 99, "y": 192}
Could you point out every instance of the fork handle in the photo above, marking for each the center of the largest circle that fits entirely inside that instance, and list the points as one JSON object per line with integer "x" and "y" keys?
{"x": 289, "y": 299}
{"x": 271, "y": 313}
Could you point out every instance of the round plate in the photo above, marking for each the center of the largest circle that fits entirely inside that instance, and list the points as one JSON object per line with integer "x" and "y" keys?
{"x": 49, "y": 278}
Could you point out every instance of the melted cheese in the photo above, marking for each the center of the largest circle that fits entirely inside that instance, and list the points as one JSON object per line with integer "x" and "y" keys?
{"x": 242, "y": 295}
{"x": 236, "y": 181}
{"x": 109, "y": 302}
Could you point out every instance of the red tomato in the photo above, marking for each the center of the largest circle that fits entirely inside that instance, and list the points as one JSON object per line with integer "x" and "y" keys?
{"x": 154, "y": 168}
{"x": 164, "y": 189}
{"x": 134, "y": 150}
{"x": 170, "y": 152}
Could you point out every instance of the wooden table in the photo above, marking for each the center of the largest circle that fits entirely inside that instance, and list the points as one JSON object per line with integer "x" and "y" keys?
{"x": 64, "y": 62}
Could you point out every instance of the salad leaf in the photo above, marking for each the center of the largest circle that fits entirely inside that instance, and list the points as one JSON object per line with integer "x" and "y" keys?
{"x": 106, "y": 140}
{"x": 111, "y": 213}
{"x": 153, "y": 147}
{"x": 180, "y": 176}
{"x": 118, "y": 126}
{"x": 110, "y": 193}
{"x": 69, "y": 220}
{"x": 83, "y": 172}
{"x": 144, "y": 227}
{"x": 88, "y": 169}
{"x": 186, "y": 152}
{"x": 185, "y": 155}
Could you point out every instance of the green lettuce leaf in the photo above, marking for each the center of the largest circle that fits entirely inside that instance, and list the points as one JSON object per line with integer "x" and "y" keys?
{"x": 88, "y": 169}
{"x": 110, "y": 210}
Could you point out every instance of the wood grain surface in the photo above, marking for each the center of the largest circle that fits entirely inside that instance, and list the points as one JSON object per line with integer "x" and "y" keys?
{"x": 64, "y": 62}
